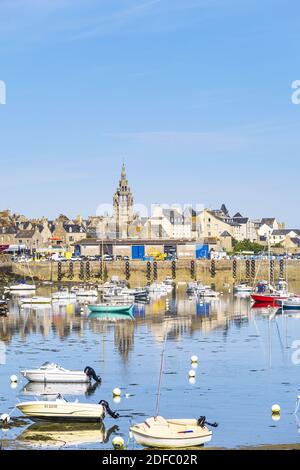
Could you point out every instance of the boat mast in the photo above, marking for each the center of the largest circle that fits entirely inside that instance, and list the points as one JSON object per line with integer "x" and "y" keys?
{"x": 269, "y": 256}
{"x": 160, "y": 373}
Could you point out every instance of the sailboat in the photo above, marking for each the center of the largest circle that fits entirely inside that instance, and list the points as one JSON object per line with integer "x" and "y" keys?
{"x": 267, "y": 294}
{"x": 172, "y": 433}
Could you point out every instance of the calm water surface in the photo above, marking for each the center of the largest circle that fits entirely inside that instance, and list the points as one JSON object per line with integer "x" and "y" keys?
{"x": 245, "y": 365}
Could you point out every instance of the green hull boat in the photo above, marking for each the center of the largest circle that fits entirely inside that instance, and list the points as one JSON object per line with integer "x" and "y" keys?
{"x": 106, "y": 308}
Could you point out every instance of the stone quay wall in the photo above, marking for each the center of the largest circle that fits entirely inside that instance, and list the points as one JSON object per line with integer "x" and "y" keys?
{"x": 139, "y": 273}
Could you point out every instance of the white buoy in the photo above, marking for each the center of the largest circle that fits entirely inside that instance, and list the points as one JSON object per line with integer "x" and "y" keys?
{"x": 13, "y": 378}
{"x": 127, "y": 395}
{"x": 118, "y": 443}
{"x": 192, "y": 380}
{"x": 117, "y": 392}
{"x": 5, "y": 418}
{"x": 276, "y": 409}
{"x": 194, "y": 359}
{"x": 192, "y": 373}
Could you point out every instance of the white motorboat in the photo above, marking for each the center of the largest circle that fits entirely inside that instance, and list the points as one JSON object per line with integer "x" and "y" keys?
{"x": 64, "y": 295}
{"x": 243, "y": 288}
{"x": 292, "y": 303}
{"x": 86, "y": 293}
{"x": 197, "y": 288}
{"x": 23, "y": 287}
{"x": 52, "y": 373}
{"x": 62, "y": 410}
{"x": 35, "y": 300}
{"x": 171, "y": 433}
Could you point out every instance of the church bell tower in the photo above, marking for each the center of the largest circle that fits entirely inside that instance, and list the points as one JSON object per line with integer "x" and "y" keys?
{"x": 123, "y": 206}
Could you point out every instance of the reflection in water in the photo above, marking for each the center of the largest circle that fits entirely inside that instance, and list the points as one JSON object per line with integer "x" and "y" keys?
{"x": 185, "y": 315}
{"x": 245, "y": 365}
{"x": 53, "y": 389}
{"x": 64, "y": 435}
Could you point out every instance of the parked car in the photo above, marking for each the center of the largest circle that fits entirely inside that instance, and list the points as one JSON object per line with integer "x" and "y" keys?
{"x": 108, "y": 258}
{"x": 76, "y": 258}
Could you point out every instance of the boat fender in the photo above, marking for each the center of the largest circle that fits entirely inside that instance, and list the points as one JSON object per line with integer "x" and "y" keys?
{"x": 202, "y": 422}
{"x": 108, "y": 410}
{"x": 89, "y": 371}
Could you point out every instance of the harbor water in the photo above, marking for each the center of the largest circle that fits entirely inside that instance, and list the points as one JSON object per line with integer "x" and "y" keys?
{"x": 248, "y": 360}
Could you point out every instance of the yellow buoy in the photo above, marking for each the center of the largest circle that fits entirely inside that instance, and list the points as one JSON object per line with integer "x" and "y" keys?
{"x": 118, "y": 443}
{"x": 276, "y": 409}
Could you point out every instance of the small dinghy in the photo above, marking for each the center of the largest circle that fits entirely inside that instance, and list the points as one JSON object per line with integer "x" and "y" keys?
{"x": 52, "y": 373}
{"x": 62, "y": 410}
{"x": 164, "y": 433}
{"x": 111, "y": 308}
{"x": 171, "y": 433}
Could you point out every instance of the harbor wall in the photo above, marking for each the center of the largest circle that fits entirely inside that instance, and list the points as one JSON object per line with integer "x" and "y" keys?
{"x": 139, "y": 273}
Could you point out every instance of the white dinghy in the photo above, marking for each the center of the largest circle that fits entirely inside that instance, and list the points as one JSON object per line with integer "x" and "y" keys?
{"x": 62, "y": 410}
{"x": 171, "y": 433}
{"x": 52, "y": 373}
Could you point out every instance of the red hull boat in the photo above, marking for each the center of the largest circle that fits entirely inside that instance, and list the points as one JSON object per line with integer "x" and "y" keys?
{"x": 268, "y": 299}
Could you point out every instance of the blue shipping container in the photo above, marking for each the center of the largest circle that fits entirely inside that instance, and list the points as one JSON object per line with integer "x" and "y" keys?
{"x": 202, "y": 251}
{"x": 138, "y": 251}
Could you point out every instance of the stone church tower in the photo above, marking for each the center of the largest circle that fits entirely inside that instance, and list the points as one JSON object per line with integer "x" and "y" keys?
{"x": 123, "y": 206}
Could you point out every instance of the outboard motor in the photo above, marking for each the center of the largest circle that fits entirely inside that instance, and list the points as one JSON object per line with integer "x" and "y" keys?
{"x": 107, "y": 409}
{"x": 202, "y": 422}
{"x": 89, "y": 371}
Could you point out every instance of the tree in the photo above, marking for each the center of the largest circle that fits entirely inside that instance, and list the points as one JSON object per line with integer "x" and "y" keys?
{"x": 246, "y": 245}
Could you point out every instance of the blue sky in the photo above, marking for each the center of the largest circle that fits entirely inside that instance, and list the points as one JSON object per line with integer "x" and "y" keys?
{"x": 195, "y": 95}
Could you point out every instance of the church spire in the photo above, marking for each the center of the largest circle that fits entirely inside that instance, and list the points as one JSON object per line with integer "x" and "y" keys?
{"x": 123, "y": 172}
{"x": 123, "y": 206}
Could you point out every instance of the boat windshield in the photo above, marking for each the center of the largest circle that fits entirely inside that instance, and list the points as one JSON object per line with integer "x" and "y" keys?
{"x": 49, "y": 365}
